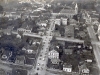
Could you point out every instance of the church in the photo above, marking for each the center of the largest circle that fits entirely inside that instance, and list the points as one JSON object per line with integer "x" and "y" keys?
{"x": 69, "y": 12}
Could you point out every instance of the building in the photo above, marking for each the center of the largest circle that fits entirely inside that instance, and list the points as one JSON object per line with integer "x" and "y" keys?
{"x": 53, "y": 54}
{"x": 84, "y": 70}
{"x": 12, "y": 15}
{"x": 69, "y": 11}
{"x": 30, "y": 59}
{"x": 68, "y": 51}
{"x": 69, "y": 31}
{"x": 64, "y": 21}
{"x": 55, "y": 61}
{"x": 73, "y": 22}
{"x": 57, "y": 21}
{"x": 25, "y": 28}
{"x": 24, "y": 1}
{"x": 67, "y": 68}
{"x": 30, "y": 49}
{"x": 53, "y": 64}
{"x": 42, "y": 23}
{"x": 20, "y": 60}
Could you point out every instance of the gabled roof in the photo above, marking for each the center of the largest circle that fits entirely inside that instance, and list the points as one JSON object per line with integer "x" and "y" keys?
{"x": 20, "y": 58}
{"x": 54, "y": 60}
{"x": 25, "y": 25}
{"x": 68, "y": 51}
{"x": 67, "y": 11}
{"x": 65, "y": 65}
{"x": 53, "y": 51}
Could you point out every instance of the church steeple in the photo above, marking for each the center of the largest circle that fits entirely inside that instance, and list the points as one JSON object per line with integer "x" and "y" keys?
{"x": 76, "y": 9}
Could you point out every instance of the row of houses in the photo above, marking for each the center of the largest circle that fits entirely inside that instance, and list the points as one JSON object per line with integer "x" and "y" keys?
{"x": 53, "y": 57}
{"x": 67, "y": 57}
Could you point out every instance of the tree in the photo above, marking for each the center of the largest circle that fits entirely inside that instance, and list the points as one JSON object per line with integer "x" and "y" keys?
{"x": 75, "y": 17}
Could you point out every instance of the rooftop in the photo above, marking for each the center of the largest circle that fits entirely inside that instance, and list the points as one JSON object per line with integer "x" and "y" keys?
{"x": 19, "y": 72}
{"x": 70, "y": 11}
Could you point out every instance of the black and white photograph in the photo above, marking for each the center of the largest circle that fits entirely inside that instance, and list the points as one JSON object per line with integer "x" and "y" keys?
{"x": 49, "y": 37}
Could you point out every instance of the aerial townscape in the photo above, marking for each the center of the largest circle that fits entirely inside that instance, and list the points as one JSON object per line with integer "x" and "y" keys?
{"x": 49, "y": 37}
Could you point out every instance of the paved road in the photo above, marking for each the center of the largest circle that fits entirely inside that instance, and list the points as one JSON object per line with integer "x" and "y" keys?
{"x": 69, "y": 39}
{"x": 92, "y": 34}
{"x": 96, "y": 47}
{"x": 42, "y": 60}
{"x": 32, "y": 35}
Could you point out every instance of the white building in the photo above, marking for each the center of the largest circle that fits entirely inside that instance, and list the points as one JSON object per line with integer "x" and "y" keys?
{"x": 64, "y": 21}
{"x": 42, "y": 23}
{"x": 25, "y": 28}
{"x": 86, "y": 71}
{"x": 58, "y": 21}
{"x": 67, "y": 68}
{"x": 53, "y": 54}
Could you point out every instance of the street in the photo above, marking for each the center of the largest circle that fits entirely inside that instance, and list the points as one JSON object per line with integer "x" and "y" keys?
{"x": 42, "y": 60}
{"x": 96, "y": 47}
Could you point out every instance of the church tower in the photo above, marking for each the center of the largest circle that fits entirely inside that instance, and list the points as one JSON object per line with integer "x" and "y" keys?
{"x": 76, "y": 9}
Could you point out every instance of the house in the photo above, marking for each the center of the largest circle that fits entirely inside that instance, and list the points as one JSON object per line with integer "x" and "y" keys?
{"x": 57, "y": 21}
{"x": 68, "y": 51}
{"x": 30, "y": 59}
{"x": 52, "y": 64}
{"x": 42, "y": 23}
{"x": 53, "y": 54}
{"x": 67, "y": 68}
{"x": 55, "y": 61}
{"x": 73, "y": 22}
{"x": 25, "y": 28}
{"x": 20, "y": 60}
{"x": 30, "y": 49}
{"x": 64, "y": 21}
{"x": 83, "y": 69}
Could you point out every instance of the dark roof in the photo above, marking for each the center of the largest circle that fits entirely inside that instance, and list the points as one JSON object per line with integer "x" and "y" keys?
{"x": 20, "y": 58}
{"x": 27, "y": 26}
{"x": 19, "y": 72}
{"x": 50, "y": 65}
{"x": 67, "y": 11}
{"x": 69, "y": 30}
{"x": 31, "y": 56}
{"x": 30, "y": 59}
{"x": 68, "y": 51}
